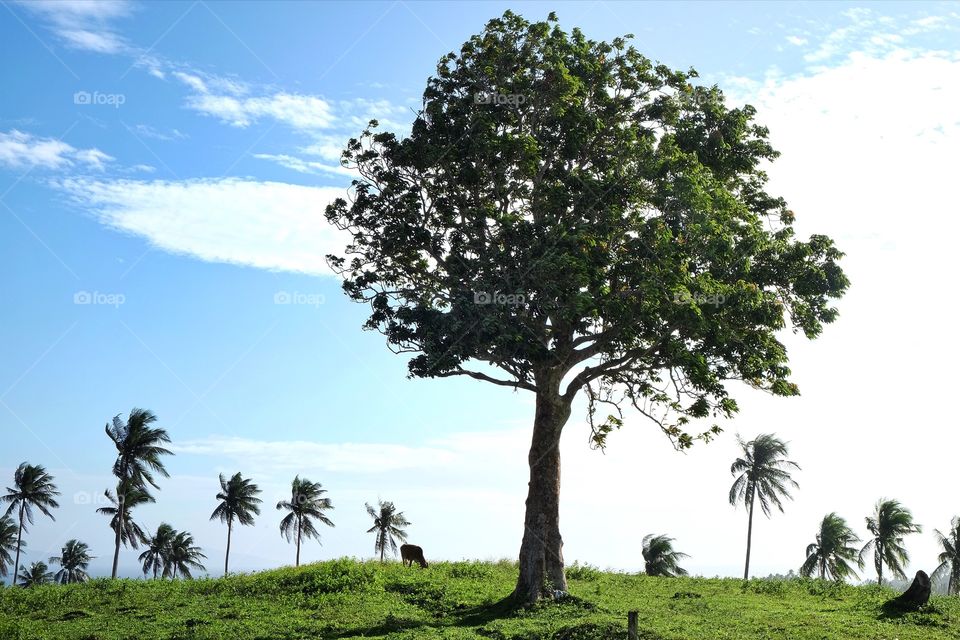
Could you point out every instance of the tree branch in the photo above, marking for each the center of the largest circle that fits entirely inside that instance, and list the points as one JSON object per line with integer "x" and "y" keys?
{"x": 516, "y": 384}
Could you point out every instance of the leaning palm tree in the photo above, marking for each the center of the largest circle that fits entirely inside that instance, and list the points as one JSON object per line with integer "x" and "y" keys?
{"x": 32, "y": 487}
{"x": 74, "y": 559}
{"x": 36, "y": 574}
{"x": 306, "y": 504}
{"x": 126, "y": 532}
{"x": 8, "y": 543}
{"x": 659, "y": 557}
{"x": 139, "y": 447}
{"x": 833, "y": 551}
{"x": 388, "y": 523}
{"x": 950, "y": 557}
{"x": 184, "y": 556}
{"x": 157, "y": 553}
{"x": 763, "y": 473}
{"x": 888, "y": 525}
{"x": 238, "y": 501}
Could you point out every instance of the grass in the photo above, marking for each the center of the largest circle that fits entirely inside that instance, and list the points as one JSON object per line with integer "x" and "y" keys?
{"x": 459, "y": 600}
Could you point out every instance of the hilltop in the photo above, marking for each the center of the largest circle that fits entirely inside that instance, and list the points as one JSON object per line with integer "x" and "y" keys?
{"x": 459, "y": 600}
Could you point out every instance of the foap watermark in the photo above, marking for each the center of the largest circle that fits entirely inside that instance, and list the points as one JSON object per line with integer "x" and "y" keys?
{"x": 491, "y": 97}
{"x": 298, "y": 298}
{"x": 497, "y": 297}
{"x": 700, "y": 299}
{"x": 85, "y": 498}
{"x": 96, "y": 98}
{"x": 96, "y": 297}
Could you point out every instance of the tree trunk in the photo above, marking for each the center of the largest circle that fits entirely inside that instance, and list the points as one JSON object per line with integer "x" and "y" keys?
{"x": 298, "y": 541}
{"x": 116, "y": 552}
{"x": 541, "y": 552}
{"x": 383, "y": 547}
{"x": 16, "y": 564}
{"x": 746, "y": 567}
{"x": 226, "y": 560}
{"x": 878, "y": 550}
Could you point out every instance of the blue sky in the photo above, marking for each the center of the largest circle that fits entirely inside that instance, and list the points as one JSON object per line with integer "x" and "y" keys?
{"x": 163, "y": 173}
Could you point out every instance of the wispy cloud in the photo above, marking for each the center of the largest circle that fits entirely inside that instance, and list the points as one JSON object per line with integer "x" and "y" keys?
{"x": 83, "y": 24}
{"x": 268, "y": 225}
{"x": 302, "y": 112}
{"x": 23, "y": 150}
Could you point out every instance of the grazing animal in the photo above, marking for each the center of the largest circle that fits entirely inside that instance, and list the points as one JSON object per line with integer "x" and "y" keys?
{"x": 412, "y": 553}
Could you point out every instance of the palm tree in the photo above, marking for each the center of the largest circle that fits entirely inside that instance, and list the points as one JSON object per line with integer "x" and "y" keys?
{"x": 305, "y": 502}
{"x": 238, "y": 501}
{"x": 950, "y": 558}
{"x": 36, "y": 574}
{"x": 764, "y": 474}
{"x": 388, "y": 524}
{"x": 126, "y": 531}
{"x": 831, "y": 554}
{"x": 184, "y": 556}
{"x": 139, "y": 447}
{"x": 8, "y": 543}
{"x": 74, "y": 559}
{"x": 659, "y": 557}
{"x": 32, "y": 487}
{"x": 157, "y": 553}
{"x": 888, "y": 525}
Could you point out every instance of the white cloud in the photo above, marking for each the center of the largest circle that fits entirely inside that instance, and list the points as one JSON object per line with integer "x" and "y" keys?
{"x": 193, "y": 81}
{"x": 306, "y": 166}
{"x": 23, "y": 150}
{"x": 146, "y": 131}
{"x": 84, "y": 24}
{"x": 303, "y": 112}
{"x": 796, "y": 40}
{"x": 268, "y": 225}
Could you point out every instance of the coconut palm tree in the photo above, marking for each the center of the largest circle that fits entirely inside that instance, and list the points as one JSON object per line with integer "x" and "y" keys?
{"x": 157, "y": 553}
{"x": 888, "y": 525}
{"x": 659, "y": 557}
{"x": 8, "y": 543}
{"x": 36, "y": 574}
{"x": 388, "y": 524}
{"x": 126, "y": 532}
{"x": 306, "y": 504}
{"x": 139, "y": 447}
{"x": 950, "y": 558}
{"x": 184, "y": 556}
{"x": 32, "y": 487}
{"x": 74, "y": 559}
{"x": 238, "y": 501}
{"x": 763, "y": 473}
{"x": 833, "y": 551}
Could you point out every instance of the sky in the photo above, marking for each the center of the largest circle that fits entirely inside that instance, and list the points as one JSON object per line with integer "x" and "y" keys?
{"x": 164, "y": 169}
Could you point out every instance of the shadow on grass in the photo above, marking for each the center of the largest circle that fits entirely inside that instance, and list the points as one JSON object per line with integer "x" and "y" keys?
{"x": 469, "y": 617}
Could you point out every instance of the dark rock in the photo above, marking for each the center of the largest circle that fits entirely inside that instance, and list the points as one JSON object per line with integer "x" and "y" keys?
{"x": 916, "y": 596}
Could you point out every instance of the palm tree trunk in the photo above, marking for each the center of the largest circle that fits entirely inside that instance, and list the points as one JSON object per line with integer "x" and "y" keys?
{"x": 879, "y": 562}
{"x": 383, "y": 547}
{"x": 116, "y": 552}
{"x": 16, "y": 565}
{"x": 746, "y": 566}
{"x": 298, "y": 541}
{"x": 226, "y": 561}
{"x": 541, "y": 551}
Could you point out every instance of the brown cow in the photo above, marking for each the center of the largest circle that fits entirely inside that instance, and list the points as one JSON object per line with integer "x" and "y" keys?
{"x": 412, "y": 553}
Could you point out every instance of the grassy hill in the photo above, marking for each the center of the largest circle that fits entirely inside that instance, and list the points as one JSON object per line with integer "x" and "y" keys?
{"x": 461, "y": 600}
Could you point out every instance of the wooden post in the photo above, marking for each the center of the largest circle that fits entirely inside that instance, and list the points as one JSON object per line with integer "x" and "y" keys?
{"x": 632, "y": 633}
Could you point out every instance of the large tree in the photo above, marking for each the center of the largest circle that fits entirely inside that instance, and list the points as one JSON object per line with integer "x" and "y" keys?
{"x": 238, "y": 502}
{"x": 571, "y": 217}
{"x": 33, "y": 488}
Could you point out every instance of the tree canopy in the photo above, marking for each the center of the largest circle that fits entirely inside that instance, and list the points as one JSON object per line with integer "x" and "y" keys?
{"x": 566, "y": 206}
